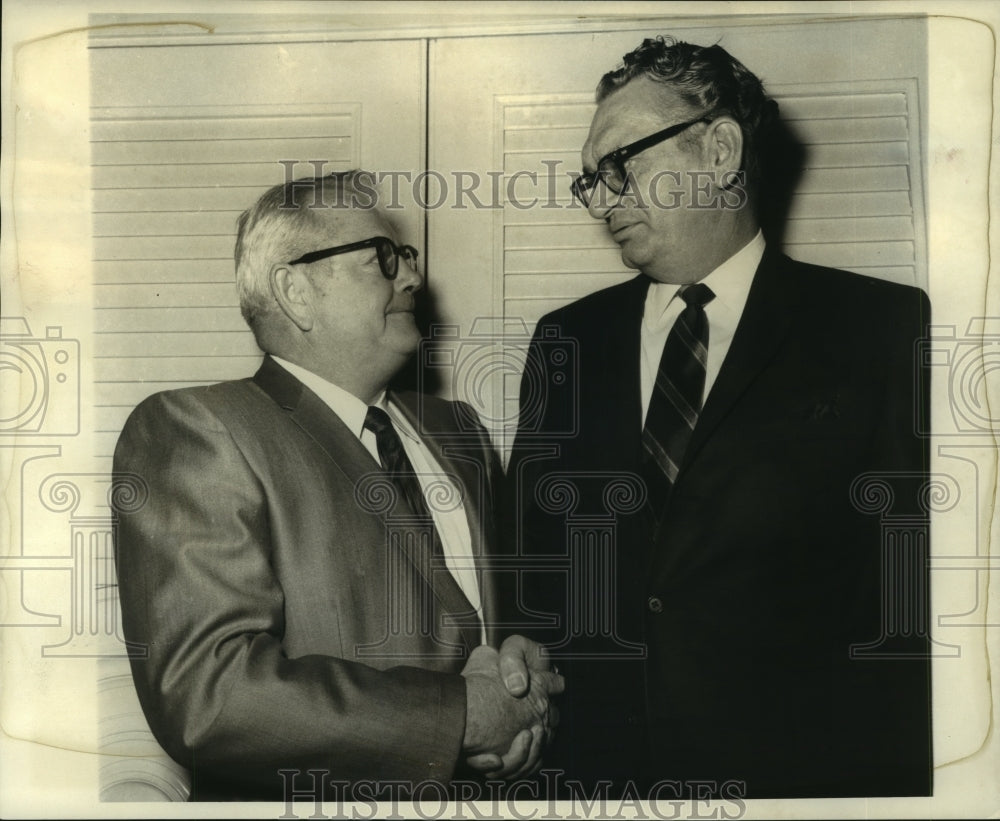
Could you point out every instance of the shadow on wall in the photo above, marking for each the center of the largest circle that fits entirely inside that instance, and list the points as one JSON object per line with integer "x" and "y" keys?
{"x": 783, "y": 157}
{"x": 410, "y": 378}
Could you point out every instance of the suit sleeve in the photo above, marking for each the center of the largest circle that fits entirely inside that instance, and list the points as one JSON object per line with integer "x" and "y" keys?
{"x": 199, "y": 593}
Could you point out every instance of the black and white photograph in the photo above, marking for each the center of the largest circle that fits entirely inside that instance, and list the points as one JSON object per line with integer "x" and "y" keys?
{"x": 484, "y": 410}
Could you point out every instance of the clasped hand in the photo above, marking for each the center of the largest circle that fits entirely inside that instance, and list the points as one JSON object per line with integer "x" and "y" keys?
{"x": 509, "y": 715}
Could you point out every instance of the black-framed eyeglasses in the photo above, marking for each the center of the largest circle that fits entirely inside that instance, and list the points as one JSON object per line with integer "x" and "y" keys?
{"x": 388, "y": 254}
{"x": 611, "y": 167}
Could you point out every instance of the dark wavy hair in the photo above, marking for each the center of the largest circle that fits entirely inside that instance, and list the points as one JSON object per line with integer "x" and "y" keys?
{"x": 710, "y": 80}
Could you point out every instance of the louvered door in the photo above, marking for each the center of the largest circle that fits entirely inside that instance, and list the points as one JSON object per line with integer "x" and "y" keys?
{"x": 859, "y": 204}
{"x": 183, "y": 140}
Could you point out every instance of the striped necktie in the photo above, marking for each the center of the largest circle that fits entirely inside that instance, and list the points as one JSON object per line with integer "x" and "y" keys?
{"x": 397, "y": 465}
{"x": 677, "y": 397}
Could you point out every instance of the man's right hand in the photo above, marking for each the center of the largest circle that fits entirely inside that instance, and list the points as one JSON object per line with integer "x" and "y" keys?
{"x": 495, "y": 718}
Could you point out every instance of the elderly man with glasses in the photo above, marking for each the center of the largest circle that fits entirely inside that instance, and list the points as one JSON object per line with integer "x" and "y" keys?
{"x": 308, "y": 577}
{"x": 750, "y": 631}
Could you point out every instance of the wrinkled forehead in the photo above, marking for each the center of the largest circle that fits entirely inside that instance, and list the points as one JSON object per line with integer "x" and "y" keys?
{"x": 630, "y": 113}
{"x": 340, "y": 224}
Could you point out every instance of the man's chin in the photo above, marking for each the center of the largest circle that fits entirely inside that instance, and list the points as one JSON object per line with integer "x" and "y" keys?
{"x": 628, "y": 261}
{"x": 406, "y": 340}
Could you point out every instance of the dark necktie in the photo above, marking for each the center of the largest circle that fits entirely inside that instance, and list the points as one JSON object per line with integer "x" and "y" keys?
{"x": 677, "y": 397}
{"x": 396, "y": 463}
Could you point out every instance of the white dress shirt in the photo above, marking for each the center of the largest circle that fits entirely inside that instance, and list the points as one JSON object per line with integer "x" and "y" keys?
{"x": 448, "y": 509}
{"x": 730, "y": 283}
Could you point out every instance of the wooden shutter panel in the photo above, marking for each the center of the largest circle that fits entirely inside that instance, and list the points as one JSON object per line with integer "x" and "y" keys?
{"x": 169, "y": 183}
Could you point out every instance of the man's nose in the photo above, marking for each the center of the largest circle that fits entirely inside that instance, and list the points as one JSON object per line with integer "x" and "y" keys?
{"x": 408, "y": 278}
{"x": 602, "y": 200}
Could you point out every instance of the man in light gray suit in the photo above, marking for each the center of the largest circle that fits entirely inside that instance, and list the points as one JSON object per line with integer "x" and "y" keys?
{"x": 307, "y": 575}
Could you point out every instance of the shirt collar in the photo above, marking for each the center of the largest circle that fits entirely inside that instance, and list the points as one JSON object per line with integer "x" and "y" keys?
{"x": 346, "y": 405}
{"x": 730, "y": 283}
{"x": 351, "y": 410}
{"x": 399, "y": 422}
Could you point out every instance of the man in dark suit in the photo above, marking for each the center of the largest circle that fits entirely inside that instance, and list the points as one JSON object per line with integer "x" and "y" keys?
{"x": 736, "y": 635}
{"x": 305, "y": 575}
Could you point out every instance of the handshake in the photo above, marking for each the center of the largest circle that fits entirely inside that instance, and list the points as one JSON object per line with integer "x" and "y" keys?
{"x": 508, "y": 714}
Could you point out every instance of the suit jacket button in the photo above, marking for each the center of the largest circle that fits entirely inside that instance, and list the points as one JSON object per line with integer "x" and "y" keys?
{"x": 654, "y": 604}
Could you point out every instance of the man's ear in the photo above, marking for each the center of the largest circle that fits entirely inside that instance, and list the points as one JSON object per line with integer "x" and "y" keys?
{"x": 725, "y": 148}
{"x": 292, "y": 291}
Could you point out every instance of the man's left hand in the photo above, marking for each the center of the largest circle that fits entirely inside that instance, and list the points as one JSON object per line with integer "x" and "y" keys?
{"x": 527, "y": 672}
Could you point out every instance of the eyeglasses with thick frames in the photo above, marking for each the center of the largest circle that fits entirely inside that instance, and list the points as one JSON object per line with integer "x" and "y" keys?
{"x": 611, "y": 167}
{"x": 388, "y": 254}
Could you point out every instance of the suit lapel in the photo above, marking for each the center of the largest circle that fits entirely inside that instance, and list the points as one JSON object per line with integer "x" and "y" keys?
{"x": 435, "y": 429}
{"x": 617, "y": 374}
{"x": 316, "y": 418}
{"x": 353, "y": 459}
{"x": 764, "y": 324}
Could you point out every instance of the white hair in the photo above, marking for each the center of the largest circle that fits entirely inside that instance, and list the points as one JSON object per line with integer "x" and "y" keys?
{"x": 280, "y": 227}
